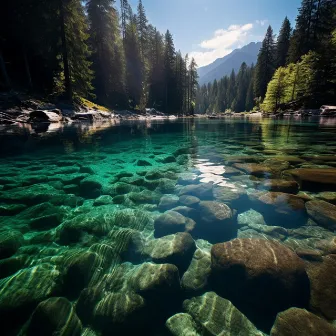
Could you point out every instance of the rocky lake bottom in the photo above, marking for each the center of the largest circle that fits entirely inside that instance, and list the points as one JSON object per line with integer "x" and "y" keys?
{"x": 184, "y": 228}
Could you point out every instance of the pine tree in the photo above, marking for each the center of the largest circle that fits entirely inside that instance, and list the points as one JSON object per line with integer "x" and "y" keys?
{"x": 282, "y": 45}
{"x": 249, "y": 103}
{"x": 265, "y": 66}
{"x": 142, "y": 23}
{"x": 242, "y": 87}
{"x": 107, "y": 52}
{"x": 193, "y": 83}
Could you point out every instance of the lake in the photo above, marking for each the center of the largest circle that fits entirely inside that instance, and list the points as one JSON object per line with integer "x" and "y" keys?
{"x": 176, "y": 227}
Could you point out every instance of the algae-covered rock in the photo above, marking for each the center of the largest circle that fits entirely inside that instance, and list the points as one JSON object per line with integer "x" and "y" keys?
{"x": 182, "y": 324}
{"x": 231, "y": 196}
{"x": 260, "y": 277}
{"x": 10, "y": 242}
{"x": 218, "y": 316}
{"x": 250, "y": 217}
{"x": 9, "y": 266}
{"x": 190, "y": 201}
{"x": 172, "y": 222}
{"x": 90, "y": 186}
{"x": 143, "y": 163}
{"x": 298, "y": 322}
{"x": 11, "y": 209}
{"x": 323, "y": 213}
{"x": 195, "y": 279}
{"x": 54, "y": 316}
{"x": 176, "y": 249}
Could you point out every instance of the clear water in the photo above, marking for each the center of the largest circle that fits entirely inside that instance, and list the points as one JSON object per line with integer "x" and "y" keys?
{"x": 65, "y": 237}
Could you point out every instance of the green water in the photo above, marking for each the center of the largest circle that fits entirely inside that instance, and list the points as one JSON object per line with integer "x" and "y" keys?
{"x": 91, "y": 220}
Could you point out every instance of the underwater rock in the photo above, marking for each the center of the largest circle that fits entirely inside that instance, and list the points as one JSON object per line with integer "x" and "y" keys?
{"x": 143, "y": 163}
{"x": 250, "y": 217}
{"x": 216, "y": 222}
{"x": 121, "y": 188}
{"x": 9, "y": 266}
{"x": 172, "y": 222}
{"x": 182, "y": 324}
{"x": 187, "y": 212}
{"x": 281, "y": 209}
{"x": 176, "y": 249}
{"x": 290, "y": 187}
{"x": 90, "y": 186}
{"x": 155, "y": 281}
{"x": 166, "y": 159}
{"x": 10, "y": 242}
{"x": 305, "y": 232}
{"x": 80, "y": 267}
{"x": 87, "y": 169}
{"x": 144, "y": 196}
{"x": 166, "y": 185}
{"x": 183, "y": 159}
{"x": 314, "y": 179}
{"x": 119, "y": 312}
{"x": 202, "y": 191}
{"x": 230, "y": 171}
{"x": 46, "y": 222}
{"x": 86, "y": 303}
{"x": 135, "y": 180}
{"x": 323, "y": 213}
{"x": 168, "y": 201}
{"x": 103, "y": 200}
{"x": 229, "y": 195}
{"x": 254, "y": 169}
{"x": 53, "y": 316}
{"x": 328, "y": 196}
{"x": 21, "y": 293}
{"x": 195, "y": 279}
{"x": 11, "y": 209}
{"x": 218, "y": 316}
{"x": 322, "y": 278}
{"x": 265, "y": 232}
{"x": 260, "y": 277}
{"x": 186, "y": 178}
{"x": 327, "y": 246}
{"x": 299, "y": 322}
{"x": 190, "y": 201}
{"x": 71, "y": 188}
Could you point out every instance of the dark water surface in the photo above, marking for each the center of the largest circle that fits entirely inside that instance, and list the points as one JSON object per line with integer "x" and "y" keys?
{"x": 109, "y": 229}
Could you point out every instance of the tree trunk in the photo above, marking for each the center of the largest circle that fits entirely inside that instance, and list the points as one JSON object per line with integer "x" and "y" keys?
{"x": 67, "y": 79}
{"x": 4, "y": 72}
{"x": 30, "y": 83}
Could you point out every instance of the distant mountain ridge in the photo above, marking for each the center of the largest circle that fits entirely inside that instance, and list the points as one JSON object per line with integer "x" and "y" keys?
{"x": 223, "y": 66}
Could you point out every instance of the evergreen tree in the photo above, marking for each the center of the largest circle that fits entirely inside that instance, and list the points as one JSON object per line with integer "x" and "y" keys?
{"x": 193, "y": 84}
{"x": 249, "y": 103}
{"x": 282, "y": 45}
{"x": 265, "y": 66}
{"x": 242, "y": 87}
{"x": 142, "y": 23}
{"x": 107, "y": 52}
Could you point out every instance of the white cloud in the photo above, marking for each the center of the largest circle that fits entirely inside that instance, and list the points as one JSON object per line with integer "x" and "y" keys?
{"x": 261, "y": 22}
{"x": 222, "y": 43}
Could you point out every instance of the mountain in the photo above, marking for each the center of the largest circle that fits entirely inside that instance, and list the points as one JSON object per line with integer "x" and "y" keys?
{"x": 223, "y": 66}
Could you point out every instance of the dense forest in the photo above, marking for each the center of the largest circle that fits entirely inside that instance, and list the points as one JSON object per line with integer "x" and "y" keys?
{"x": 297, "y": 69}
{"x": 70, "y": 49}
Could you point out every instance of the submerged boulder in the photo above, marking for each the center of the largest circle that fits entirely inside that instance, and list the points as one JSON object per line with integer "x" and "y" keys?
{"x": 54, "y": 316}
{"x": 168, "y": 201}
{"x": 172, "y": 222}
{"x": 290, "y": 187}
{"x": 299, "y": 322}
{"x": 182, "y": 324}
{"x": 323, "y": 213}
{"x": 314, "y": 179}
{"x": 260, "y": 277}
{"x": 218, "y": 316}
{"x": 10, "y": 242}
{"x": 322, "y": 278}
{"x": 216, "y": 222}
{"x": 202, "y": 191}
{"x": 174, "y": 249}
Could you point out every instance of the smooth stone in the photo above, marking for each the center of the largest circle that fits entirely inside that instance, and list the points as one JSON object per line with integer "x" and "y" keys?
{"x": 299, "y": 322}
{"x": 143, "y": 163}
{"x": 327, "y": 196}
{"x": 190, "y": 201}
{"x": 176, "y": 249}
{"x": 186, "y": 178}
{"x": 202, "y": 191}
{"x": 187, "y": 211}
{"x": 261, "y": 277}
{"x": 230, "y": 171}
{"x": 153, "y": 281}
{"x": 182, "y": 324}
{"x": 45, "y": 222}
{"x": 9, "y": 266}
{"x": 11, "y": 209}
{"x": 250, "y": 217}
{"x": 323, "y": 213}
{"x": 90, "y": 186}
{"x": 314, "y": 179}
{"x": 10, "y": 242}
{"x": 54, "y": 316}
{"x": 172, "y": 222}
{"x": 255, "y": 169}
{"x": 135, "y": 180}
{"x": 290, "y": 187}
{"x": 166, "y": 159}
{"x": 228, "y": 195}
{"x": 218, "y": 316}
{"x": 195, "y": 279}
{"x": 168, "y": 201}
{"x": 322, "y": 278}
{"x": 103, "y": 200}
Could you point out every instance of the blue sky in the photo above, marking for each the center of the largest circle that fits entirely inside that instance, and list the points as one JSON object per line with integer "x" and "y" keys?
{"x": 209, "y": 29}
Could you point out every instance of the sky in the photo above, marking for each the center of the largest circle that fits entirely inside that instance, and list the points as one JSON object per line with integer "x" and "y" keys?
{"x": 210, "y": 29}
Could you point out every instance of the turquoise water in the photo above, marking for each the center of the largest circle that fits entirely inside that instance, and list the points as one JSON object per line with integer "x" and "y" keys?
{"x": 108, "y": 229}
